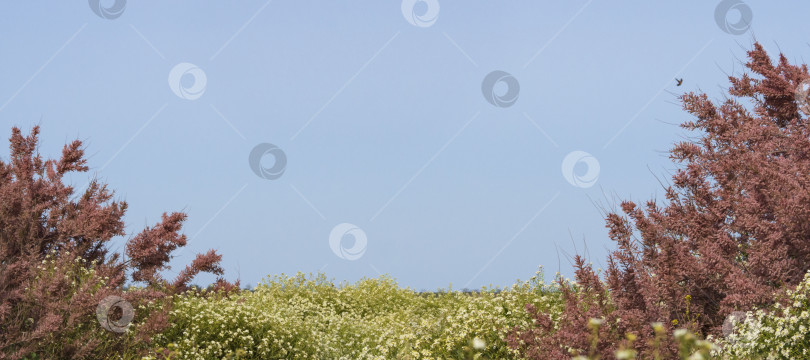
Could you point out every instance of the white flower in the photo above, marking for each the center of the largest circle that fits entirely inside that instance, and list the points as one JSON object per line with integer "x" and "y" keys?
{"x": 479, "y": 344}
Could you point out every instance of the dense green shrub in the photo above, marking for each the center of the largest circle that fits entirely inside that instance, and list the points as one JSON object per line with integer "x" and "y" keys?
{"x": 308, "y": 317}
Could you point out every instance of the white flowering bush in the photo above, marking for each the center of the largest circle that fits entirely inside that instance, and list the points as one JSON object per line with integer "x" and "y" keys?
{"x": 780, "y": 333}
{"x": 308, "y": 317}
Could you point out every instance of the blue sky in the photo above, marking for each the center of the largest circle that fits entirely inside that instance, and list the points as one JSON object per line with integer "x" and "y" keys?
{"x": 383, "y": 122}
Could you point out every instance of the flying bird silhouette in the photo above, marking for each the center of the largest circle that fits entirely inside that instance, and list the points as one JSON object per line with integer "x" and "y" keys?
{"x": 680, "y": 81}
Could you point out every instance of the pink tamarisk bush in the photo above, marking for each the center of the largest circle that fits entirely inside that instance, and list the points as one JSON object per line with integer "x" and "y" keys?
{"x": 55, "y": 267}
{"x": 732, "y": 234}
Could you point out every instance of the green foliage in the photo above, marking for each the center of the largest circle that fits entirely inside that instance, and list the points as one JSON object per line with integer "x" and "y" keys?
{"x": 308, "y": 317}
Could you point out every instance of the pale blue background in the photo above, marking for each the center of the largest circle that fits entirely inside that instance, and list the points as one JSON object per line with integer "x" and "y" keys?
{"x": 381, "y": 126}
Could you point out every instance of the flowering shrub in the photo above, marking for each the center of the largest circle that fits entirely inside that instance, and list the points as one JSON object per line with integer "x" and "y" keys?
{"x": 606, "y": 337}
{"x": 779, "y": 333}
{"x": 55, "y": 268}
{"x": 302, "y": 317}
{"x": 690, "y": 347}
{"x": 730, "y": 232}
{"x": 65, "y": 282}
{"x": 70, "y": 284}
{"x": 584, "y": 302}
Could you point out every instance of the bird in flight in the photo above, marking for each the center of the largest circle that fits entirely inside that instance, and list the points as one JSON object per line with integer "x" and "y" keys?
{"x": 679, "y": 81}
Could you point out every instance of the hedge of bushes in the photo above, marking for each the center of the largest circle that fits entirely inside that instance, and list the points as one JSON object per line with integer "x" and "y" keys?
{"x": 308, "y": 317}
